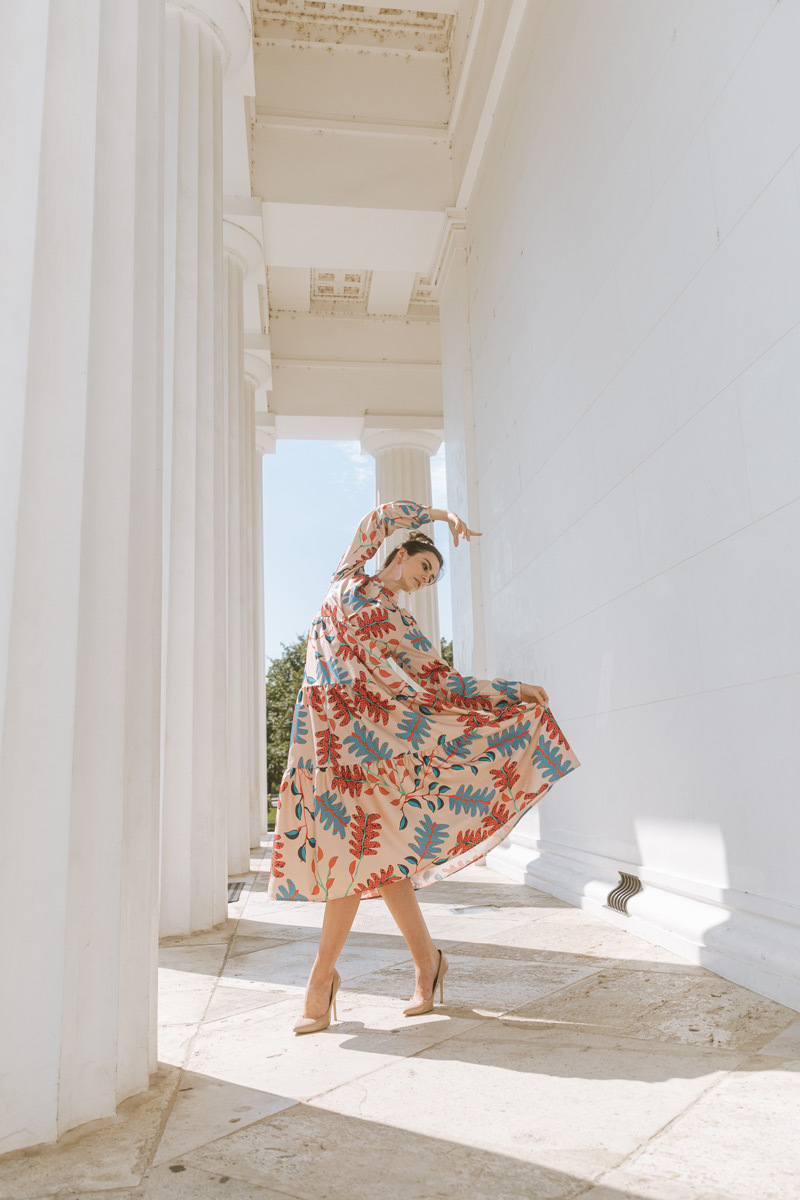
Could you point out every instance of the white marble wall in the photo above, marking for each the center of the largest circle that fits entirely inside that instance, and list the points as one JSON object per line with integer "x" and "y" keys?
{"x": 633, "y": 247}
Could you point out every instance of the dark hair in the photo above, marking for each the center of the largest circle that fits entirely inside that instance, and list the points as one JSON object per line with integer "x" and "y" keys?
{"x": 419, "y": 543}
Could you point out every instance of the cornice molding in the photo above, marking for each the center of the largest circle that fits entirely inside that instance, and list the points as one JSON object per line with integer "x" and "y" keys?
{"x": 483, "y": 131}
{"x": 452, "y": 235}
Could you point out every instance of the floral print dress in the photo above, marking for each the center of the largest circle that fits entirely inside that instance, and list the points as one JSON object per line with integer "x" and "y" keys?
{"x": 399, "y": 767}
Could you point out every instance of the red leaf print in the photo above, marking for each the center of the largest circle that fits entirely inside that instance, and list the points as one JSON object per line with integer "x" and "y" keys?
{"x": 506, "y": 776}
{"x": 365, "y": 831}
{"x": 328, "y": 747}
{"x": 372, "y": 622}
{"x": 432, "y": 672}
{"x": 315, "y": 698}
{"x": 377, "y": 879}
{"x": 278, "y": 861}
{"x": 343, "y": 708}
{"x": 348, "y": 779}
{"x": 549, "y": 722}
{"x": 372, "y": 703}
{"x": 498, "y": 817}
{"x": 467, "y": 839}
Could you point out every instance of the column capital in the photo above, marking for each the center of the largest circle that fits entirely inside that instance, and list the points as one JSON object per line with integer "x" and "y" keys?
{"x": 376, "y": 438}
{"x": 228, "y": 21}
{"x": 243, "y": 246}
{"x": 256, "y": 371}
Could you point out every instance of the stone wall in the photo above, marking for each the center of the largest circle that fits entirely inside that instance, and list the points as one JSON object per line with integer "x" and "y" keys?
{"x": 633, "y": 257}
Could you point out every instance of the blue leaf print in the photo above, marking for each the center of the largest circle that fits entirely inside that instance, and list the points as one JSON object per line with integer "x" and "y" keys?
{"x": 339, "y": 672}
{"x": 507, "y": 688}
{"x": 331, "y": 813}
{"x": 418, "y": 640}
{"x": 509, "y": 740}
{"x": 459, "y": 747}
{"x": 402, "y": 659}
{"x": 414, "y": 728}
{"x": 353, "y": 592}
{"x": 299, "y": 727}
{"x": 462, "y": 685}
{"x": 417, "y": 514}
{"x": 364, "y": 742}
{"x": 475, "y": 802}
{"x": 288, "y": 891}
{"x": 430, "y": 838}
{"x": 550, "y": 761}
{"x": 323, "y": 670}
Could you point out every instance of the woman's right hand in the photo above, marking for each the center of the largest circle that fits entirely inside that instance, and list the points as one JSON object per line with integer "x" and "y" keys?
{"x": 531, "y": 692}
{"x": 459, "y": 528}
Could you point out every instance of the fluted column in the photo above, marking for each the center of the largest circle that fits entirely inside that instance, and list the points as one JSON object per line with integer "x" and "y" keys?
{"x": 243, "y": 256}
{"x": 403, "y": 472}
{"x": 203, "y": 39}
{"x": 263, "y": 442}
{"x": 469, "y": 641}
{"x": 80, "y": 455}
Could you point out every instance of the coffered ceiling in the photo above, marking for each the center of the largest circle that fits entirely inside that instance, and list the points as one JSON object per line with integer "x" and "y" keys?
{"x": 354, "y": 156}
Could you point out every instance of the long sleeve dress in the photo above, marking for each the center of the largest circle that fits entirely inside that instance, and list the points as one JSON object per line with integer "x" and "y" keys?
{"x": 399, "y": 767}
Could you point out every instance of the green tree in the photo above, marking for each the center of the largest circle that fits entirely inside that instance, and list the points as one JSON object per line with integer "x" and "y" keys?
{"x": 447, "y": 651}
{"x": 284, "y": 678}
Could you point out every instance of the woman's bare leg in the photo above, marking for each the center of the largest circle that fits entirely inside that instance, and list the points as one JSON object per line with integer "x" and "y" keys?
{"x": 401, "y": 900}
{"x": 336, "y": 924}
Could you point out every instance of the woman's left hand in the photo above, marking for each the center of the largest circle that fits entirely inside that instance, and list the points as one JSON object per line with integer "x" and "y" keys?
{"x": 532, "y": 692}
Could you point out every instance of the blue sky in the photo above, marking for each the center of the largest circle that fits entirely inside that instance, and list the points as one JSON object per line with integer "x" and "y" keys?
{"x": 315, "y": 494}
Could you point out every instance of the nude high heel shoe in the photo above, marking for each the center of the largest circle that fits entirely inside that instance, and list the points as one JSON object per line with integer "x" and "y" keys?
{"x": 416, "y": 1010}
{"x": 315, "y": 1024}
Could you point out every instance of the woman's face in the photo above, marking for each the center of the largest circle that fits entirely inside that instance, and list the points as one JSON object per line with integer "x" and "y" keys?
{"x": 418, "y": 570}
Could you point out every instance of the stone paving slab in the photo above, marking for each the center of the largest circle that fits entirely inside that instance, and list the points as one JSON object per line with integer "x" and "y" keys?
{"x": 569, "y": 1059}
{"x": 315, "y": 1154}
{"x": 740, "y": 1141}
{"x": 563, "y": 1100}
{"x": 698, "y": 1009}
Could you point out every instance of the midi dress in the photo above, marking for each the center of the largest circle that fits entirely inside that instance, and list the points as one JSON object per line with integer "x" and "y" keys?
{"x": 399, "y": 767}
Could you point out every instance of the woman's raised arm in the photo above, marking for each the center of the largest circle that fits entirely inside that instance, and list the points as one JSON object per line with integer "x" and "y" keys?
{"x": 375, "y": 528}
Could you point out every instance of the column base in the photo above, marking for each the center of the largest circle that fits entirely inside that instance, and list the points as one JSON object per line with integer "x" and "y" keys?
{"x": 748, "y": 939}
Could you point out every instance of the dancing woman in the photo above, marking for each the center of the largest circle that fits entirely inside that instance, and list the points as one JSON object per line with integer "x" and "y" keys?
{"x": 401, "y": 771}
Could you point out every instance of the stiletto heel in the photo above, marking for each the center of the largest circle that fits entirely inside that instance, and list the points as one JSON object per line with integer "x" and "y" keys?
{"x": 315, "y": 1024}
{"x": 416, "y": 1010}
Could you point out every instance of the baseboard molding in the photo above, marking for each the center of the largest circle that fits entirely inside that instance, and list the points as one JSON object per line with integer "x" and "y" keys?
{"x": 751, "y": 947}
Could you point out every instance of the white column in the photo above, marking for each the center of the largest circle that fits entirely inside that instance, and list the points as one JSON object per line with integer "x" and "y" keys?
{"x": 263, "y": 442}
{"x": 469, "y": 642}
{"x": 403, "y": 472}
{"x": 80, "y": 450}
{"x": 243, "y": 257}
{"x": 203, "y": 39}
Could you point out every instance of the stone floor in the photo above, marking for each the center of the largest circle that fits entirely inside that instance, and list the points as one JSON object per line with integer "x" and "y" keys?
{"x": 569, "y": 1059}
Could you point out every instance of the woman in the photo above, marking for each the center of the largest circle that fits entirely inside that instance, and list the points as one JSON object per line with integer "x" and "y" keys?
{"x": 401, "y": 770}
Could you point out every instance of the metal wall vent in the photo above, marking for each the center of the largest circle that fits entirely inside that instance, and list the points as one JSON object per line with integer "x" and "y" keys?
{"x": 618, "y": 898}
{"x": 234, "y": 891}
